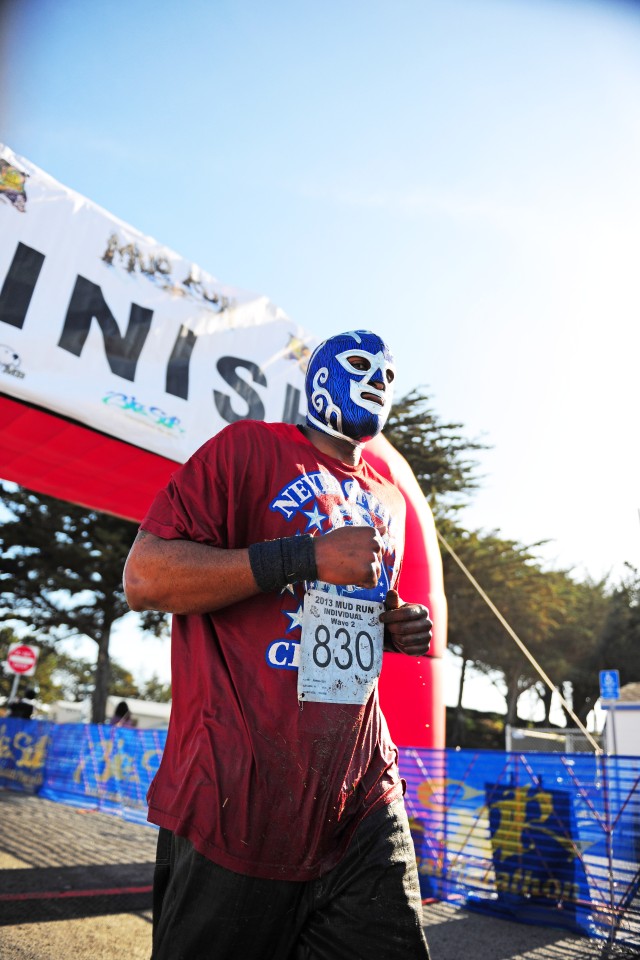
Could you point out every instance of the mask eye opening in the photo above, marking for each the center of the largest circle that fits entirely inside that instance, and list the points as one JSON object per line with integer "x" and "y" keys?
{"x": 361, "y": 364}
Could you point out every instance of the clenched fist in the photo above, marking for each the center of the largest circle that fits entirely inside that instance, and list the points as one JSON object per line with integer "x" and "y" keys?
{"x": 407, "y": 626}
{"x": 350, "y": 555}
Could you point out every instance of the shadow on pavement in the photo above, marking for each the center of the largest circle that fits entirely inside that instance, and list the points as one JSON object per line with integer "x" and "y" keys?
{"x": 40, "y": 894}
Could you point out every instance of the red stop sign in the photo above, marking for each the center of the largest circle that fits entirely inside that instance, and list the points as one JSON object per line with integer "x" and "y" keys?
{"x": 22, "y": 659}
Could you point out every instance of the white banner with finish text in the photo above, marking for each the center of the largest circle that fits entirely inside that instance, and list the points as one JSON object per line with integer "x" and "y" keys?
{"x": 107, "y": 327}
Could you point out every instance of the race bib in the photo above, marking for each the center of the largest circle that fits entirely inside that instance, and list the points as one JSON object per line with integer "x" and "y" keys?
{"x": 341, "y": 648}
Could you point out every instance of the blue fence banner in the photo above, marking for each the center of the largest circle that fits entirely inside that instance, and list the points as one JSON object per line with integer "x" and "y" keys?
{"x": 94, "y": 766}
{"x": 103, "y": 767}
{"x": 542, "y": 838}
{"x": 24, "y": 746}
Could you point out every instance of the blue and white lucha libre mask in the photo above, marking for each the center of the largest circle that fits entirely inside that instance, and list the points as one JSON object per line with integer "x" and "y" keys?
{"x": 349, "y": 386}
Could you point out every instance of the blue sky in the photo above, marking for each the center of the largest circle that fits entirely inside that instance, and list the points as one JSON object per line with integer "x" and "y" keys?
{"x": 460, "y": 176}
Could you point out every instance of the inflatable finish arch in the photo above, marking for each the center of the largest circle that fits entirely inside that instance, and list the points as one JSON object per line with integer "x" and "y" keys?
{"x": 118, "y": 358}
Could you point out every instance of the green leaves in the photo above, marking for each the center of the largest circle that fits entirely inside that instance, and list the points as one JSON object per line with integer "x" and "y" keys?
{"x": 437, "y": 452}
{"x": 572, "y": 628}
{"x": 61, "y": 574}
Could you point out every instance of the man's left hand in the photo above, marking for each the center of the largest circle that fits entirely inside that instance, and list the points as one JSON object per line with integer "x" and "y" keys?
{"x": 407, "y": 626}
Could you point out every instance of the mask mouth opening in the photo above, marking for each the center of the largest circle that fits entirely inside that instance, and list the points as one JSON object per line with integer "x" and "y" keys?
{"x": 375, "y": 397}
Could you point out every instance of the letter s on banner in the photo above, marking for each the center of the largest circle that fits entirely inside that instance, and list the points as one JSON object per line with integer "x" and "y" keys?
{"x": 228, "y": 370}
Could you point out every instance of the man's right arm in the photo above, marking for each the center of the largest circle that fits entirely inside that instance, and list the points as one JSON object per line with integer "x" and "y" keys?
{"x": 180, "y": 576}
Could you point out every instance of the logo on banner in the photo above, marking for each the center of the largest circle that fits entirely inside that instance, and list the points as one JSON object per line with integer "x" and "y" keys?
{"x": 535, "y": 844}
{"x": 12, "y": 183}
{"x": 10, "y": 361}
{"x": 23, "y": 754}
{"x": 298, "y": 350}
{"x": 157, "y": 267}
{"x": 152, "y": 416}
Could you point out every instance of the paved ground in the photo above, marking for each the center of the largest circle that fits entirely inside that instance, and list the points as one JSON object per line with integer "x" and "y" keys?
{"x": 75, "y": 885}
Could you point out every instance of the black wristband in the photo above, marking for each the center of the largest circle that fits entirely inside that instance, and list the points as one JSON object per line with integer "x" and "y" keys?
{"x": 275, "y": 563}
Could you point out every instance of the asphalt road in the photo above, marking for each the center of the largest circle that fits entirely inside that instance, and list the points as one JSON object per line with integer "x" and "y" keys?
{"x": 76, "y": 885}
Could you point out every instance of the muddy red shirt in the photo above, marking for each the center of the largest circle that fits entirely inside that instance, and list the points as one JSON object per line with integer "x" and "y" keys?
{"x": 259, "y": 783}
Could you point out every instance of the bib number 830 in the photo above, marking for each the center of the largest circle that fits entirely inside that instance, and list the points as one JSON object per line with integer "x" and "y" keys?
{"x": 361, "y": 647}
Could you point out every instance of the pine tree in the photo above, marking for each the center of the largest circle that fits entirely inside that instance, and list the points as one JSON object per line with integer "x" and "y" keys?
{"x": 61, "y": 574}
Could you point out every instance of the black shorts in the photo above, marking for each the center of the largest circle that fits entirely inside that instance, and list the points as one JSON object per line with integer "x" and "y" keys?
{"x": 368, "y": 906}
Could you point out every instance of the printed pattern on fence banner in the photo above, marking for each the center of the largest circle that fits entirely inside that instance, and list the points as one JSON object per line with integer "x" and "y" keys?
{"x": 93, "y": 766}
{"x": 543, "y": 838}
{"x": 24, "y": 746}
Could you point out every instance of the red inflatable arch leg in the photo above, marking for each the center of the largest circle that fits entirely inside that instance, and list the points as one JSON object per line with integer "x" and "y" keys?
{"x": 411, "y": 690}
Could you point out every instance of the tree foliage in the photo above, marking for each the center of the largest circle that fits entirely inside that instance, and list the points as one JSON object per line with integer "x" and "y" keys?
{"x": 154, "y": 689}
{"x": 437, "y": 452}
{"x": 61, "y": 574}
{"x": 606, "y": 635}
{"x": 571, "y": 628}
{"x": 61, "y": 676}
{"x": 75, "y": 678}
{"x": 527, "y": 597}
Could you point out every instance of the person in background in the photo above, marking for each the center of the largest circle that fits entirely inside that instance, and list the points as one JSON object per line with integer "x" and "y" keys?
{"x": 277, "y": 548}
{"x": 23, "y": 708}
{"x": 122, "y": 716}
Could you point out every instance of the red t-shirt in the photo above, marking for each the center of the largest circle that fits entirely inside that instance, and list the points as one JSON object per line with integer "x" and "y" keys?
{"x": 259, "y": 783}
